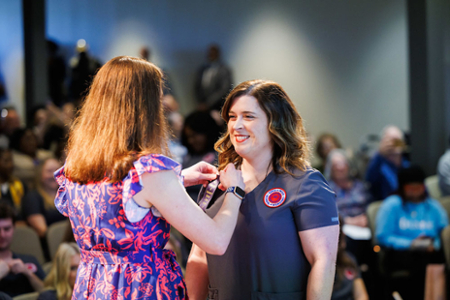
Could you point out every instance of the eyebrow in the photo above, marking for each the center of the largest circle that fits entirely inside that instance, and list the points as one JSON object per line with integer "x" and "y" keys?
{"x": 244, "y": 112}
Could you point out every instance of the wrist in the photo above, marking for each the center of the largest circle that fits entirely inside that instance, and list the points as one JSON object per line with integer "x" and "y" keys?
{"x": 237, "y": 191}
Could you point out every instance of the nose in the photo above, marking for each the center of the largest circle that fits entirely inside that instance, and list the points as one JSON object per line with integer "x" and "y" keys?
{"x": 238, "y": 123}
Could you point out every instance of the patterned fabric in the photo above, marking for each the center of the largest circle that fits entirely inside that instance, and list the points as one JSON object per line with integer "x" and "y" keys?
{"x": 120, "y": 259}
{"x": 351, "y": 202}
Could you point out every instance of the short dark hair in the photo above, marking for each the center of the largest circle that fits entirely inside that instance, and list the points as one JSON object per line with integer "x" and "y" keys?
{"x": 7, "y": 212}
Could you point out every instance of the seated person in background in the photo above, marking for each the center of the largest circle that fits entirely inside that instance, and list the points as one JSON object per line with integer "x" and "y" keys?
{"x": 9, "y": 122}
{"x": 383, "y": 167}
{"x": 11, "y": 188}
{"x": 19, "y": 273}
{"x": 60, "y": 281}
{"x": 26, "y": 155}
{"x": 38, "y": 206}
{"x": 326, "y": 143}
{"x": 443, "y": 173}
{"x": 351, "y": 194}
{"x": 348, "y": 283}
{"x": 409, "y": 225}
{"x": 352, "y": 200}
{"x": 200, "y": 132}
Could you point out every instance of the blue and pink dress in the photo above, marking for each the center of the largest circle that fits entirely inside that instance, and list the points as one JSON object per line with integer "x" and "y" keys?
{"x": 121, "y": 243}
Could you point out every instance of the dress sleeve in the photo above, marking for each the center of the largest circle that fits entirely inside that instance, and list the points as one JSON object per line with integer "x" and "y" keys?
{"x": 61, "y": 201}
{"x": 315, "y": 203}
{"x": 133, "y": 184}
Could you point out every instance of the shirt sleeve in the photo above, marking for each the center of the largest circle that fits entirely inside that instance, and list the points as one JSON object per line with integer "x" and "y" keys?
{"x": 132, "y": 184}
{"x": 31, "y": 205}
{"x": 315, "y": 203}
{"x": 61, "y": 201}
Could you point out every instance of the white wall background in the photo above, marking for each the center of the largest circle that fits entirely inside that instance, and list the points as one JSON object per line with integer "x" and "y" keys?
{"x": 11, "y": 52}
{"x": 344, "y": 63}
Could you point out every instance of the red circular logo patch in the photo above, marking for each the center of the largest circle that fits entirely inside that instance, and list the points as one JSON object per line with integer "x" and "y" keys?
{"x": 274, "y": 197}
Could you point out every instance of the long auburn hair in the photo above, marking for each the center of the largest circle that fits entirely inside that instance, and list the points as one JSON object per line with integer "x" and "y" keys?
{"x": 121, "y": 119}
{"x": 58, "y": 277}
{"x": 290, "y": 143}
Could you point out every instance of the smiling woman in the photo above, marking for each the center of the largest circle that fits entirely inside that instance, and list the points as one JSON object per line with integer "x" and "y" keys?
{"x": 287, "y": 230}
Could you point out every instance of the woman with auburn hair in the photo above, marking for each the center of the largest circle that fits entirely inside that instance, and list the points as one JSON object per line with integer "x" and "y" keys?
{"x": 121, "y": 191}
{"x": 285, "y": 242}
{"x": 61, "y": 279}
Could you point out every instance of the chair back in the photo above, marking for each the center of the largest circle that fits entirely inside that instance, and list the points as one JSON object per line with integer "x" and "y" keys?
{"x": 445, "y": 239}
{"x": 26, "y": 241}
{"x": 371, "y": 213}
{"x": 55, "y": 236}
{"x": 432, "y": 184}
{"x": 445, "y": 202}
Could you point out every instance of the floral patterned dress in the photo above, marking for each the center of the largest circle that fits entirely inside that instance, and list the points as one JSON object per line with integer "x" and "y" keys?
{"x": 121, "y": 244}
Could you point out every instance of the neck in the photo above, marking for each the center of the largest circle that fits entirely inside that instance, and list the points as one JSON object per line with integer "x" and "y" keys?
{"x": 5, "y": 254}
{"x": 255, "y": 171}
{"x": 343, "y": 183}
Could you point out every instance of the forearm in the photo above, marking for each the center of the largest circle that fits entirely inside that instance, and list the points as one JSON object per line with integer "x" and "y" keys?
{"x": 197, "y": 274}
{"x": 320, "y": 280}
{"x": 37, "y": 222}
{"x": 35, "y": 282}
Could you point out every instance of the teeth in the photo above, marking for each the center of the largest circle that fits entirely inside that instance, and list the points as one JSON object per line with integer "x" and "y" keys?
{"x": 241, "y": 138}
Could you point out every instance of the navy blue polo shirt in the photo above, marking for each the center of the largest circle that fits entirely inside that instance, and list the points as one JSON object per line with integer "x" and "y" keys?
{"x": 265, "y": 258}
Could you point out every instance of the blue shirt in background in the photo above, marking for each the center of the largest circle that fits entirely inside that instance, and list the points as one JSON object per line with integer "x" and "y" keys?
{"x": 399, "y": 224}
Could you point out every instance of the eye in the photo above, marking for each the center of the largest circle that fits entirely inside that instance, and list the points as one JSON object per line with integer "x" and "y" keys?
{"x": 231, "y": 117}
{"x": 249, "y": 116}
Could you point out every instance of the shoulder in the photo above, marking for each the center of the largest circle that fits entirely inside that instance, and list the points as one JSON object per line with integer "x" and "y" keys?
{"x": 444, "y": 161}
{"x": 393, "y": 201}
{"x": 311, "y": 180}
{"x": 26, "y": 258}
{"x": 33, "y": 196}
{"x": 435, "y": 204}
{"x": 155, "y": 162}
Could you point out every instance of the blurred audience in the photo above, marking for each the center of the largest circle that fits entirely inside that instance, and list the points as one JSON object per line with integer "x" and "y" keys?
{"x": 213, "y": 81}
{"x": 383, "y": 167}
{"x": 12, "y": 189}
{"x": 60, "y": 281}
{"x": 351, "y": 194}
{"x": 443, "y": 172}
{"x": 200, "y": 133}
{"x": 352, "y": 200}
{"x": 9, "y": 122}
{"x": 19, "y": 273}
{"x": 27, "y": 155}
{"x": 348, "y": 283}
{"x": 409, "y": 225}
{"x": 83, "y": 68}
{"x": 56, "y": 74}
{"x": 324, "y": 145}
{"x": 38, "y": 205}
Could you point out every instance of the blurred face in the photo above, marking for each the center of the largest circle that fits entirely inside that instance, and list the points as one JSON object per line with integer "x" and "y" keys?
{"x": 28, "y": 143}
{"x": 414, "y": 192}
{"x": 6, "y": 165}
{"x": 327, "y": 145}
{"x": 41, "y": 117}
{"x": 6, "y": 233}
{"x": 249, "y": 128}
{"x": 11, "y": 121}
{"x": 74, "y": 262}
{"x": 196, "y": 140}
{"x": 48, "y": 181}
{"x": 339, "y": 168}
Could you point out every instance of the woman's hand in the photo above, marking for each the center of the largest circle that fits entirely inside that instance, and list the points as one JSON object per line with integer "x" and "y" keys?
{"x": 200, "y": 173}
{"x": 231, "y": 177}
